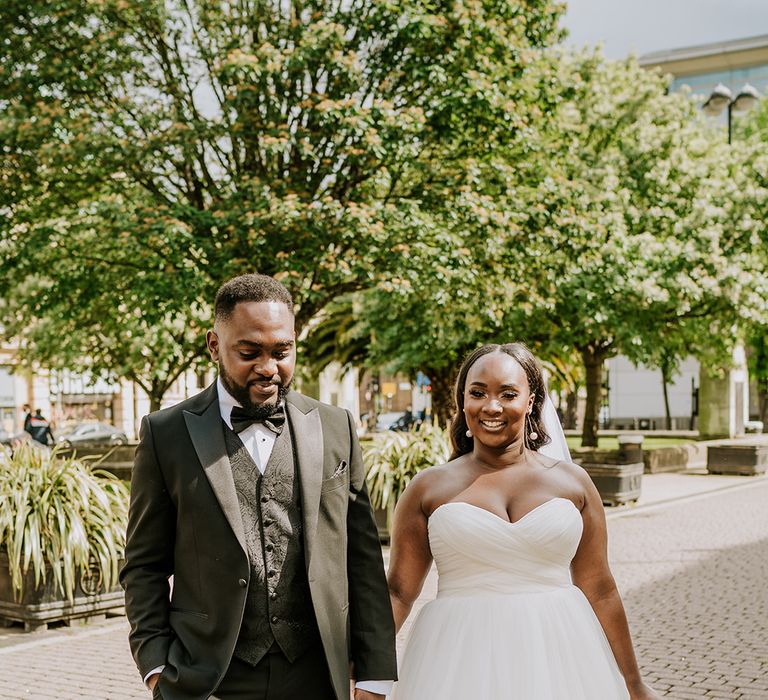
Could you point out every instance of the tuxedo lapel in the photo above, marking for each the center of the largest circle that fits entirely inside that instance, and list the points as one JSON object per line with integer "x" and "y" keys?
{"x": 207, "y": 435}
{"x": 307, "y": 432}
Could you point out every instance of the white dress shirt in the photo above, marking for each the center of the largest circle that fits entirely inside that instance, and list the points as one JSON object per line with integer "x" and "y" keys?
{"x": 257, "y": 438}
{"x": 259, "y": 441}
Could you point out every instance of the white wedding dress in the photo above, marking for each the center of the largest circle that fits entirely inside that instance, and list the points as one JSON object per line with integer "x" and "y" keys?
{"x": 507, "y": 623}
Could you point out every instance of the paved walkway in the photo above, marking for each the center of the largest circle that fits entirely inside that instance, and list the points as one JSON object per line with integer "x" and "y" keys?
{"x": 694, "y": 578}
{"x": 691, "y": 561}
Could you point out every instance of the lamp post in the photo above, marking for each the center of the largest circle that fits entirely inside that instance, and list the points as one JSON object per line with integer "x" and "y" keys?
{"x": 722, "y": 97}
{"x": 721, "y": 404}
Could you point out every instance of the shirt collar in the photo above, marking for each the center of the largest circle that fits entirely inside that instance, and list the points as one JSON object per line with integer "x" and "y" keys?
{"x": 226, "y": 402}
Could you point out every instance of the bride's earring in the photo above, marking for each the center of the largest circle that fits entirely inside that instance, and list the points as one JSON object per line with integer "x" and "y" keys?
{"x": 533, "y": 434}
{"x": 468, "y": 433}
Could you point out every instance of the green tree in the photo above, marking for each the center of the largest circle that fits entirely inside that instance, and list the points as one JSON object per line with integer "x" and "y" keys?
{"x": 633, "y": 249}
{"x": 153, "y": 149}
{"x": 748, "y": 208}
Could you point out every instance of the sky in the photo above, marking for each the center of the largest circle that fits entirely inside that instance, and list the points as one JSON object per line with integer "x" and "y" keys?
{"x": 643, "y": 26}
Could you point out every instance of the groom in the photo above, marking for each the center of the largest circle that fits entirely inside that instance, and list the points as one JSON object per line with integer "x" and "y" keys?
{"x": 252, "y": 497}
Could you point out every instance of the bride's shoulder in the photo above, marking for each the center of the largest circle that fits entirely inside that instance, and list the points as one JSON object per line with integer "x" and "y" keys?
{"x": 565, "y": 465}
{"x": 569, "y": 468}
{"x": 437, "y": 475}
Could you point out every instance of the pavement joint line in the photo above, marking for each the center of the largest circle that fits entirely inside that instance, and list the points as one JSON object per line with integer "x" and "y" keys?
{"x": 632, "y": 510}
{"x": 56, "y": 639}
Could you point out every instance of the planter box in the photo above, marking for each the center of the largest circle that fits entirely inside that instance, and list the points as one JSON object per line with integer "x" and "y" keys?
{"x": 617, "y": 483}
{"x": 42, "y": 605}
{"x": 745, "y": 460}
{"x": 119, "y": 458}
{"x": 380, "y": 515}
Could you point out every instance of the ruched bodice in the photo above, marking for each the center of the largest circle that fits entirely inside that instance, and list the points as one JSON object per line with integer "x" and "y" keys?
{"x": 476, "y": 550}
{"x": 507, "y": 623}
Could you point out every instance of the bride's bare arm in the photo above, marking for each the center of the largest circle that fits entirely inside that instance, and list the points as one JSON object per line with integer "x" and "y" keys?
{"x": 410, "y": 557}
{"x": 592, "y": 575}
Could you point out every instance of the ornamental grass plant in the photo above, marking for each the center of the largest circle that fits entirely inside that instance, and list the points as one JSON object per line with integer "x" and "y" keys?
{"x": 60, "y": 516}
{"x": 394, "y": 458}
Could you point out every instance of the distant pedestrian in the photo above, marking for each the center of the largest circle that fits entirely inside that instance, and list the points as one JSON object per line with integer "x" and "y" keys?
{"x": 40, "y": 428}
{"x": 27, "y": 418}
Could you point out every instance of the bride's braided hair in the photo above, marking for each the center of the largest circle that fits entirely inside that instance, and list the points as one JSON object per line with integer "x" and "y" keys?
{"x": 533, "y": 422}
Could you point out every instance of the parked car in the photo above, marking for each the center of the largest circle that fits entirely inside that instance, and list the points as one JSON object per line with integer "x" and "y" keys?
{"x": 13, "y": 440}
{"x": 92, "y": 434}
{"x": 395, "y": 420}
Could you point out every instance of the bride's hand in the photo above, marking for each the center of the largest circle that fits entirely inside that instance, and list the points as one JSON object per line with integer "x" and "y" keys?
{"x": 643, "y": 692}
{"x": 367, "y": 695}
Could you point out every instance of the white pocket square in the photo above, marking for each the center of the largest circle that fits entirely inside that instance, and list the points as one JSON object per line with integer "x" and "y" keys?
{"x": 340, "y": 469}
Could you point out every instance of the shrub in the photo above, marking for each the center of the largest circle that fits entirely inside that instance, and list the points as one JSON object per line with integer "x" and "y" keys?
{"x": 60, "y": 516}
{"x": 394, "y": 458}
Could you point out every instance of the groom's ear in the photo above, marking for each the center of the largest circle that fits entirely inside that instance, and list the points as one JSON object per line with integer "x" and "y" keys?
{"x": 212, "y": 341}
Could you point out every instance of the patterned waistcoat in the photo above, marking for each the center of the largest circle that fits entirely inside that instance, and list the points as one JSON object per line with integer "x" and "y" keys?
{"x": 278, "y": 605}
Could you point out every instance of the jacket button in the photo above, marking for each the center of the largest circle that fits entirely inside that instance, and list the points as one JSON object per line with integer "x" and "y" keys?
{"x": 242, "y": 583}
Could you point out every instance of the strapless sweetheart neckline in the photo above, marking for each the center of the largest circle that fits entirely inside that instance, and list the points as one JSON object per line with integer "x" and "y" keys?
{"x": 507, "y": 622}
{"x": 498, "y": 517}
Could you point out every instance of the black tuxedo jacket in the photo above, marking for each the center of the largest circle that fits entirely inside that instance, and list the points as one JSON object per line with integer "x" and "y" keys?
{"x": 185, "y": 522}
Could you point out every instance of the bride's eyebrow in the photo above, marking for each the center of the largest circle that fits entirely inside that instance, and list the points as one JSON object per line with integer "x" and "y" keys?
{"x": 502, "y": 386}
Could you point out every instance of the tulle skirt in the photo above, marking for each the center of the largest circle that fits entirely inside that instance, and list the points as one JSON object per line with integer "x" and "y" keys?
{"x": 523, "y": 646}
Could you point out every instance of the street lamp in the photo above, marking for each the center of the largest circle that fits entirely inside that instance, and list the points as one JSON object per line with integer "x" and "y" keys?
{"x": 722, "y": 97}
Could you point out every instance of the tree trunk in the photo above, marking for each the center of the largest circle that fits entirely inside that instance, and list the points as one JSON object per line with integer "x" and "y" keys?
{"x": 762, "y": 400}
{"x": 156, "y": 392}
{"x": 593, "y": 359}
{"x": 571, "y": 408}
{"x": 155, "y": 401}
{"x": 441, "y": 382}
{"x": 665, "y": 390}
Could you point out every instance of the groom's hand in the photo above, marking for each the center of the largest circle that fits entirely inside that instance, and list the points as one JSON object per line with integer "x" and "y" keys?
{"x": 367, "y": 695}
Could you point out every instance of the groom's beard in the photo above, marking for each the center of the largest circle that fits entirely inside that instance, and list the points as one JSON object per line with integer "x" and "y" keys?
{"x": 242, "y": 394}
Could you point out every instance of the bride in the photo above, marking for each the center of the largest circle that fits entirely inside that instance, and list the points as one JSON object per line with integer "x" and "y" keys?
{"x": 527, "y": 608}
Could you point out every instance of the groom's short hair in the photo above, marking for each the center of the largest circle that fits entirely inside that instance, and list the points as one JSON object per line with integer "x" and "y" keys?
{"x": 250, "y": 287}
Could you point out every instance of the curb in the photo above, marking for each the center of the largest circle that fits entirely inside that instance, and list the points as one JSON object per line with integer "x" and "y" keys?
{"x": 632, "y": 509}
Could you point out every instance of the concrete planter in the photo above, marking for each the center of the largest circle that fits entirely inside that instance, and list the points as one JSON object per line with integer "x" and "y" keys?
{"x": 744, "y": 460}
{"x": 117, "y": 459}
{"x": 44, "y": 604}
{"x": 618, "y": 475}
{"x": 676, "y": 458}
{"x": 380, "y": 515}
{"x": 617, "y": 483}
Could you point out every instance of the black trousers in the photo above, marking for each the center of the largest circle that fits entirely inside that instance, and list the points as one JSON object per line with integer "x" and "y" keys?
{"x": 276, "y": 678}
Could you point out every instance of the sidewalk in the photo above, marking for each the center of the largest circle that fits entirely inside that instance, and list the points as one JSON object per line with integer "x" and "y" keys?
{"x": 673, "y": 486}
{"x": 681, "y": 520}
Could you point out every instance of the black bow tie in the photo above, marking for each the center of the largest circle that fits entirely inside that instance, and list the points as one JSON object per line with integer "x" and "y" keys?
{"x": 241, "y": 419}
